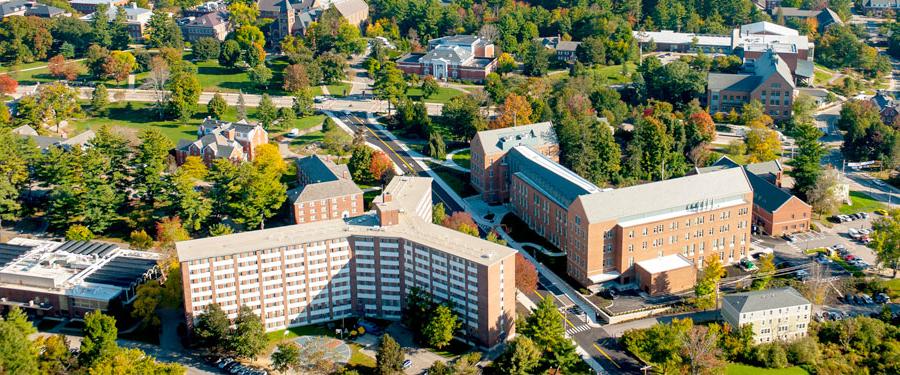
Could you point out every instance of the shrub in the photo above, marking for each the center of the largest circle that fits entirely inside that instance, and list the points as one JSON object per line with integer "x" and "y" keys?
{"x": 770, "y": 355}
{"x": 804, "y": 351}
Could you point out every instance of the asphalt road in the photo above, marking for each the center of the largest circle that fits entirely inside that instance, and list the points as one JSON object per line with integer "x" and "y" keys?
{"x": 397, "y": 153}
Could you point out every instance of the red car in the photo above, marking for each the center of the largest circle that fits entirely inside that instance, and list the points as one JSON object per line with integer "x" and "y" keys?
{"x": 850, "y": 257}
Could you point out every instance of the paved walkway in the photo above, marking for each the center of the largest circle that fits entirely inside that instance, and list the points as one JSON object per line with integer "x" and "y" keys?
{"x": 452, "y": 163}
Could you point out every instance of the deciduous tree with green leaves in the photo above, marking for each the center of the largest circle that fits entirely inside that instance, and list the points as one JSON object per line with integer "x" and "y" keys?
{"x": 389, "y": 358}
{"x": 212, "y": 328}
{"x": 100, "y": 100}
{"x": 217, "y": 106}
{"x": 249, "y": 336}
{"x": 708, "y": 284}
{"x": 442, "y": 324}
{"x": 184, "y": 92}
{"x": 99, "y": 339}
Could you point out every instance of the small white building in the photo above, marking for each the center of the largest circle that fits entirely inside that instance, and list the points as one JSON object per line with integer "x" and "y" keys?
{"x": 775, "y": 314}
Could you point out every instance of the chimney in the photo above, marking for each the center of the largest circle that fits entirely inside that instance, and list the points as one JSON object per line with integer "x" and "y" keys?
{"x": 387, "y": 216}
{"x": 387, "y": 197}
{"x": 230, "y": 134}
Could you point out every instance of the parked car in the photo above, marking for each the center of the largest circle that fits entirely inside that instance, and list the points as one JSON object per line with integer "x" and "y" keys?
{"x": 609, "y": 293}
{"x": 822, "y": 259}
{"x": 407, "y": 364}
{"x": 748, "y": 265}
{"x": 790, "y": 237}
{"x": 865, "y": 215}
{"x": 802, "y": 275}
{"x": 575, "y": 310}
{"x": 785, "y": 264}
{"x": 881, "y": 212}
{"x": 850, "y": 257}
{"x": 882, "y": 298}
{"x": 854, "y": 233}
{"x": 867, "y": 299}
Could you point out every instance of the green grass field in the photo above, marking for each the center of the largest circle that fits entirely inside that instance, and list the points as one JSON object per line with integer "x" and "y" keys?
{"x": 463, "y": 158}
{"x": 862, "y": 202}
{"x": 458, "y": 181}
{"x": 140, "y": 115}
{"x": 443, "y": 95}
{"x": 741, "y": 369}
{"x": 613, "y": 73}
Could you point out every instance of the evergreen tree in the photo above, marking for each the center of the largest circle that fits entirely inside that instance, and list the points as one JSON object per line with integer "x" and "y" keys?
{"x": 537, "y": 59}
{"x": 807, "y": 163}
{"x": 163, "y": 31}
{"x": 150, "y": 163}
{"x": 120, "y": 38}
{"x": 100, "y": 32}
{"x": 241, "y": 107}
{"x": 100, "y": 100}
{"x": 266, "y": 113}
{"x": 389, "y": 358}
{"x": 521, "y": 357}
{"x": 359, "y": 164}
{"x": 17, "y": 353}
{"x": 436, "y": 147}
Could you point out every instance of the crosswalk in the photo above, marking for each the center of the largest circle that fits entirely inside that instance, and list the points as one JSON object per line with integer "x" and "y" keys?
{"x": 576, "y": 329}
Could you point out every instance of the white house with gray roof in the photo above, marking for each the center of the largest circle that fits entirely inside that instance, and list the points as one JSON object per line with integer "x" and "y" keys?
{"x": 780, "y": 314}
{"x": 461, "y": 57}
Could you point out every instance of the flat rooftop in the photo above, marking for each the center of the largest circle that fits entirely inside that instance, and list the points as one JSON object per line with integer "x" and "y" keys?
{"x": 410, "y": 227}
{"x": 666, "y": 263}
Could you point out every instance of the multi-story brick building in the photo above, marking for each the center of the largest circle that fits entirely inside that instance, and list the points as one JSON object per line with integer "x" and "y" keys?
{"x": 463, "y": 57}
{"x": 90, "y": 6}
{"x": 364, "y": 266}
{"x": 217, "y": 139}
{"x": 606, "y": 233}
{"x": 775, "y": 314}
{"x": 768, "y": 80}
{"x": 488, "y": 148}
{"x": 326, "y": 191}
{"x": 775, "y": 210}
{"x": 210, "y": 25}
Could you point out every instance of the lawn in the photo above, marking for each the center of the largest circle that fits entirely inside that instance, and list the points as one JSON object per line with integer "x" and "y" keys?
{"x": 457, "y": 180}
{"x": 741, "y": 369}
{"x": 893, "y": 287}
{"x": 455, "y": 349}
{"x": 613, "y": 73}
{"x": 339, "y": 89}
{"x": 822, "y": 77}
{"x": 862, "y": 202}
{"x": 463, "y": 158}
{"x": 22, "y": 66}
{"x": 443, "y": 95}
{"x": 140, "y": 115}
{"x": 294, "y": 332}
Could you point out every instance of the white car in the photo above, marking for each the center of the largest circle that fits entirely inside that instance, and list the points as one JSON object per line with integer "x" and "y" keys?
{"x": 879, "y": 183}
{"x": 854, "y": 233}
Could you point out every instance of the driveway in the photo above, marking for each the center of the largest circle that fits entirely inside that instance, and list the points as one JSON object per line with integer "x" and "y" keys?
{"x": 421, "y": 358}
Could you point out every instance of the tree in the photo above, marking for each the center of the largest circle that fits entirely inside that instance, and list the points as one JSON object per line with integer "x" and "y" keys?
{"x": 118, "y": 65}
{"x": 429, "y": 87}
{"x": 184, "y": 92}
{"x": 514, "y": 111}
{"x": 520, "y": 357}
{"x": 248, "y": 36}
{"x": 762, "y": 143}
{"x": 823, "y": 196}
{"x": 266, "y": 112}
{"x": 389, "y": 358}
{"x": 158, "y": 81}
{"x": 136, "y": 361}
{"x": 296, "y": 78}
{"x": 439, "y": 368}
{"x": 8, "y": 85}
{"x": 60, "y": 68}
{"x": 438, "y": 213}
{"x": 17, "y": 353}
{"x": 286, "y": 357}
{"x": 212, "y": 328}
{"x": 150, "y": 163}
{"x": 206, "y": 48}
{"x": 241, "y": 107}
{"x": 163, "y": 31}
{"x": 462, "y": 115}
{"x": 359, "y": 164}
{"x": 441, "y": 326}
{"x": 700, "y": 350}
{"x": 217, "y": 106}
{"x": 436, "y": 147}
{"x": 886, "y": 240}
{"x": 249, "y": 337}
{"x": 303, "y": 104}
{"x": 18, "y": 319}
{"x": 807, "y": 163}
{"x": 544, "y": 326}
{"x": 260, "y": 75}
{"x": 505, "y": 63}
{"x": 380, "y": 164}
{"x": 79, "y": 232}
{"x": 220, "y": 229}
{"x": 536, "y": 61}
{"x": 192, "y": 206}
{"x": 119, "y": 35}
{"x": 463, "y": 222}
{"x": 169, "y": 231}
{"x": 526, "y": 275}
{"x": 140, "y": 240}
{"x": 230, "y": 54}
{"x": 100, "y": 100}
{"x": 260, "y": 188}
{"x": 24, "y": 39}
{"x": 55, "y": 357}
{"x": 54, "y": 102}
{"x": 99, "y": 339}
{"x": 766, "y": 271}
{"x": 145, "y": 303}
{"x": 389, "y": 83}
{"x": 708, "y": 285}
{"x": 100, "y": 33}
